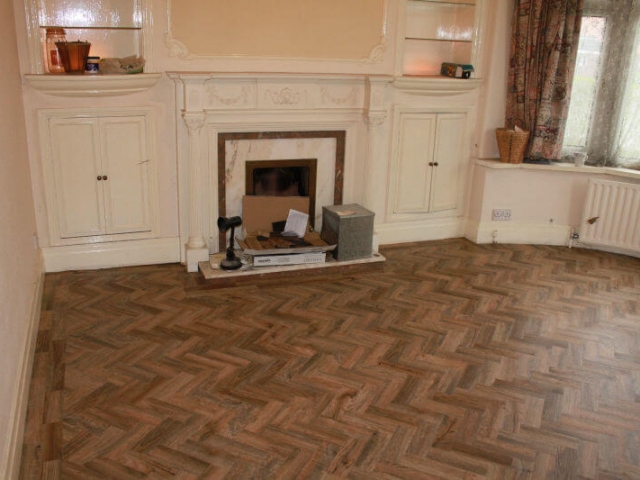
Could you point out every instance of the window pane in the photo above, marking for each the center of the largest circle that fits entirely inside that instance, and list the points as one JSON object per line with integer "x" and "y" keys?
{"x": 585, "y": 78}
{"x": 628, "y": 152}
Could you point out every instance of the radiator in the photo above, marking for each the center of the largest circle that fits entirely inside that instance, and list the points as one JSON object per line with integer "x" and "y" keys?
{"x": 611, "y": 215}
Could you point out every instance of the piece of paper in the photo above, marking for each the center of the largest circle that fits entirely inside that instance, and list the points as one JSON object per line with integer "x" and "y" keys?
{"x": 296, "y": 223}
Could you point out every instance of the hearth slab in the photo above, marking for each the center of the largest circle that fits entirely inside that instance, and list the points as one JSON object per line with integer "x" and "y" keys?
{"x": 216, "y": 277}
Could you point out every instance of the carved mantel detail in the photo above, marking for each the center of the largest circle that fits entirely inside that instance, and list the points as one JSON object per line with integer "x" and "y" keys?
{"x": 194, "y": 123}
{"x": 328, "y": 97}
{"x": 376, "y": 119}
{"x": 287, "y": 96}
{"x": 218, "y": 98}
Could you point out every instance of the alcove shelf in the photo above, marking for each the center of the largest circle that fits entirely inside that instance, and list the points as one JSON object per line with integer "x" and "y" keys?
{"x": 92, "y": 85}
{"x": 438, "y": 31}
{"x": 436, "y": 85}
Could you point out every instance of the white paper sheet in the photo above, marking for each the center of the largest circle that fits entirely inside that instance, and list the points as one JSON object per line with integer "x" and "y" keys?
{"x": 296, "y": 223}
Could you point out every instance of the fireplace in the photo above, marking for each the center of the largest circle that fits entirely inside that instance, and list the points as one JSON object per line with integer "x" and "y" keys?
{"x": 230, "y": 118}
{"x": 283, "y": 178}
{"x": 313, "y": 176}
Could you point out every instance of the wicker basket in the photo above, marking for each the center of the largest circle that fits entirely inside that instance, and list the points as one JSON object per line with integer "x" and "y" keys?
{"x": 511, "y": 144}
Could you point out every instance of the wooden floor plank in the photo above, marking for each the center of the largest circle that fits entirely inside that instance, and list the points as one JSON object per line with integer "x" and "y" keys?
{"x": 455, "y": 361}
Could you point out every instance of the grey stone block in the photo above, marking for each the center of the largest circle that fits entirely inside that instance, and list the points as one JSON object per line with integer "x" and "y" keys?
{"x": 350, "y": 227}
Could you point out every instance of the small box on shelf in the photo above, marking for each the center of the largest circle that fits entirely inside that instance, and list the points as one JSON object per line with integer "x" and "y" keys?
{"x": 456, "y": 70}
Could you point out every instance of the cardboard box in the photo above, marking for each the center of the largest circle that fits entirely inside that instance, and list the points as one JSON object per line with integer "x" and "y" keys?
{"x": 259, "y": 212}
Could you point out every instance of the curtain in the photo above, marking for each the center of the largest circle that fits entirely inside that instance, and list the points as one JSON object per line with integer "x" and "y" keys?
{"x": 544, "y": 46}
{"x": 626, "y": 150}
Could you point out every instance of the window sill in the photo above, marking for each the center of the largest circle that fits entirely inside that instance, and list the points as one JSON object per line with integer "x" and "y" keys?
{"x": 560, "y": 167}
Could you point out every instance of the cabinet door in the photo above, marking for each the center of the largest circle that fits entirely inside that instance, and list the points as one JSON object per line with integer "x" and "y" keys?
{"x": 75, "y": 150}
{"x": 415, "y": 154}
{"x": 449, "y": 148}
{"x": 125, "y": 162}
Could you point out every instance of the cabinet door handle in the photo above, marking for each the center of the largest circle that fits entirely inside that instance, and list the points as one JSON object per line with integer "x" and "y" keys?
{"x": 431, "y": 164}
{"x": 104, "y": 177}
{"x": 99, "y": 177}
{"x": 435, "y": 165}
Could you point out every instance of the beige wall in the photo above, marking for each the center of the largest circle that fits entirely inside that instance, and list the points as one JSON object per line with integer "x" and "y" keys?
{"x": 19, "y": 262}
{"x": 335, "y": 29}
{"x": 301, "y": 36}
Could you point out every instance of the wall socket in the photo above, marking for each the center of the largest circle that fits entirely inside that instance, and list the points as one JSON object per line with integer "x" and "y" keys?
{"x": 501, "y": 215}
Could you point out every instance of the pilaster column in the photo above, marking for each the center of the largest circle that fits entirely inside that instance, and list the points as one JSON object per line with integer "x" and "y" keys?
{"x": 377, "y": 166}
{"x": 196, "y": 247}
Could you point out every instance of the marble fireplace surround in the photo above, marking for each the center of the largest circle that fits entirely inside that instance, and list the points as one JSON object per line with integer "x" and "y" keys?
{"x": 216, "y": 109}
{"x": 335, "y": 171}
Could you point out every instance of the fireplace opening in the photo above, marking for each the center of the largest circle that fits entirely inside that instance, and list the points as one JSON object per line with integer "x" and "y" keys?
{"x": 283, "y": 178}
{"x": 326, "y": 194}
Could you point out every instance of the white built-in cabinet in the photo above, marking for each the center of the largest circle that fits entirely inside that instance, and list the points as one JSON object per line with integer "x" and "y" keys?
{"x": 429, "y": 161}
{"x": 99, "y": 175}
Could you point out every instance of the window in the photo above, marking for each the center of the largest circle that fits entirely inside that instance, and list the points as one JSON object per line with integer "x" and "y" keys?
{"x": 604, "y": 110}
{"x": 585, "y": 81}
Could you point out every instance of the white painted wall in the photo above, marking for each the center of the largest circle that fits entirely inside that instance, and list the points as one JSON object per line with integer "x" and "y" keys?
{"x": 19, "y": 261}
{"x": 546, "y": 202}
{"x": 493, "y": 95}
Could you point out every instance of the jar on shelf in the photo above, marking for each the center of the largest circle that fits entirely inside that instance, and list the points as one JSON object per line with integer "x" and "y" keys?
{"x": 93, "y": 65}
{"x": 54, "y": 60}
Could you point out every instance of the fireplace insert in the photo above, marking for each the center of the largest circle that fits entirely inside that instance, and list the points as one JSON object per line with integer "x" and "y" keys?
{"x": 283, "y": 178}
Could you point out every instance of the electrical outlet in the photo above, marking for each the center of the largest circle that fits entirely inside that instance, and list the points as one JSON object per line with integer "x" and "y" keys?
{"x": 501, "y": 215}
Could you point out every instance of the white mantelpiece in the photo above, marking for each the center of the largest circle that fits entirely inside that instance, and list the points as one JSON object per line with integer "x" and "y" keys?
{"x": 236, "y": 103}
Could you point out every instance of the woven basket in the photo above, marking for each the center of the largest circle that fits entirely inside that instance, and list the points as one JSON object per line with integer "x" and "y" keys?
{"x": 511, "y": 144}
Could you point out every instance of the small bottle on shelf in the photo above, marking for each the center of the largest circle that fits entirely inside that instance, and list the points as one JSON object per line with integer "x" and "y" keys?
{"x": 54, "y": 61}
{"x": 93, "y": 65}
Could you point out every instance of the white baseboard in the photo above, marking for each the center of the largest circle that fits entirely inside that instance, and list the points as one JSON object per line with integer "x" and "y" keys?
{"x": 112, "y": 254}
{"x": 403, "y": 232}
{"x": 10, "y": 465}
{"x": 523, "y": 233}
{"x": 603, "y": 248}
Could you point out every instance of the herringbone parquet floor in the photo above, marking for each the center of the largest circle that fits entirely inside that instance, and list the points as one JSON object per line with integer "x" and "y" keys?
{"x": 458, "y": 361}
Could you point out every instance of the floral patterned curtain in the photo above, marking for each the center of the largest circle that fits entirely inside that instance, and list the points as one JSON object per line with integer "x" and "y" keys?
{"x": 544, "y": 46}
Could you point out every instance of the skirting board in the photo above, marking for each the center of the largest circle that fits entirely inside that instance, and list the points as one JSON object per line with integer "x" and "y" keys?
{"x": 403, "y": 232}
{"x": 10, "y": 465}
{"x": 619, "y": 251}
{"x": 112, "y": 254}
{"x": 521, "y": 233}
